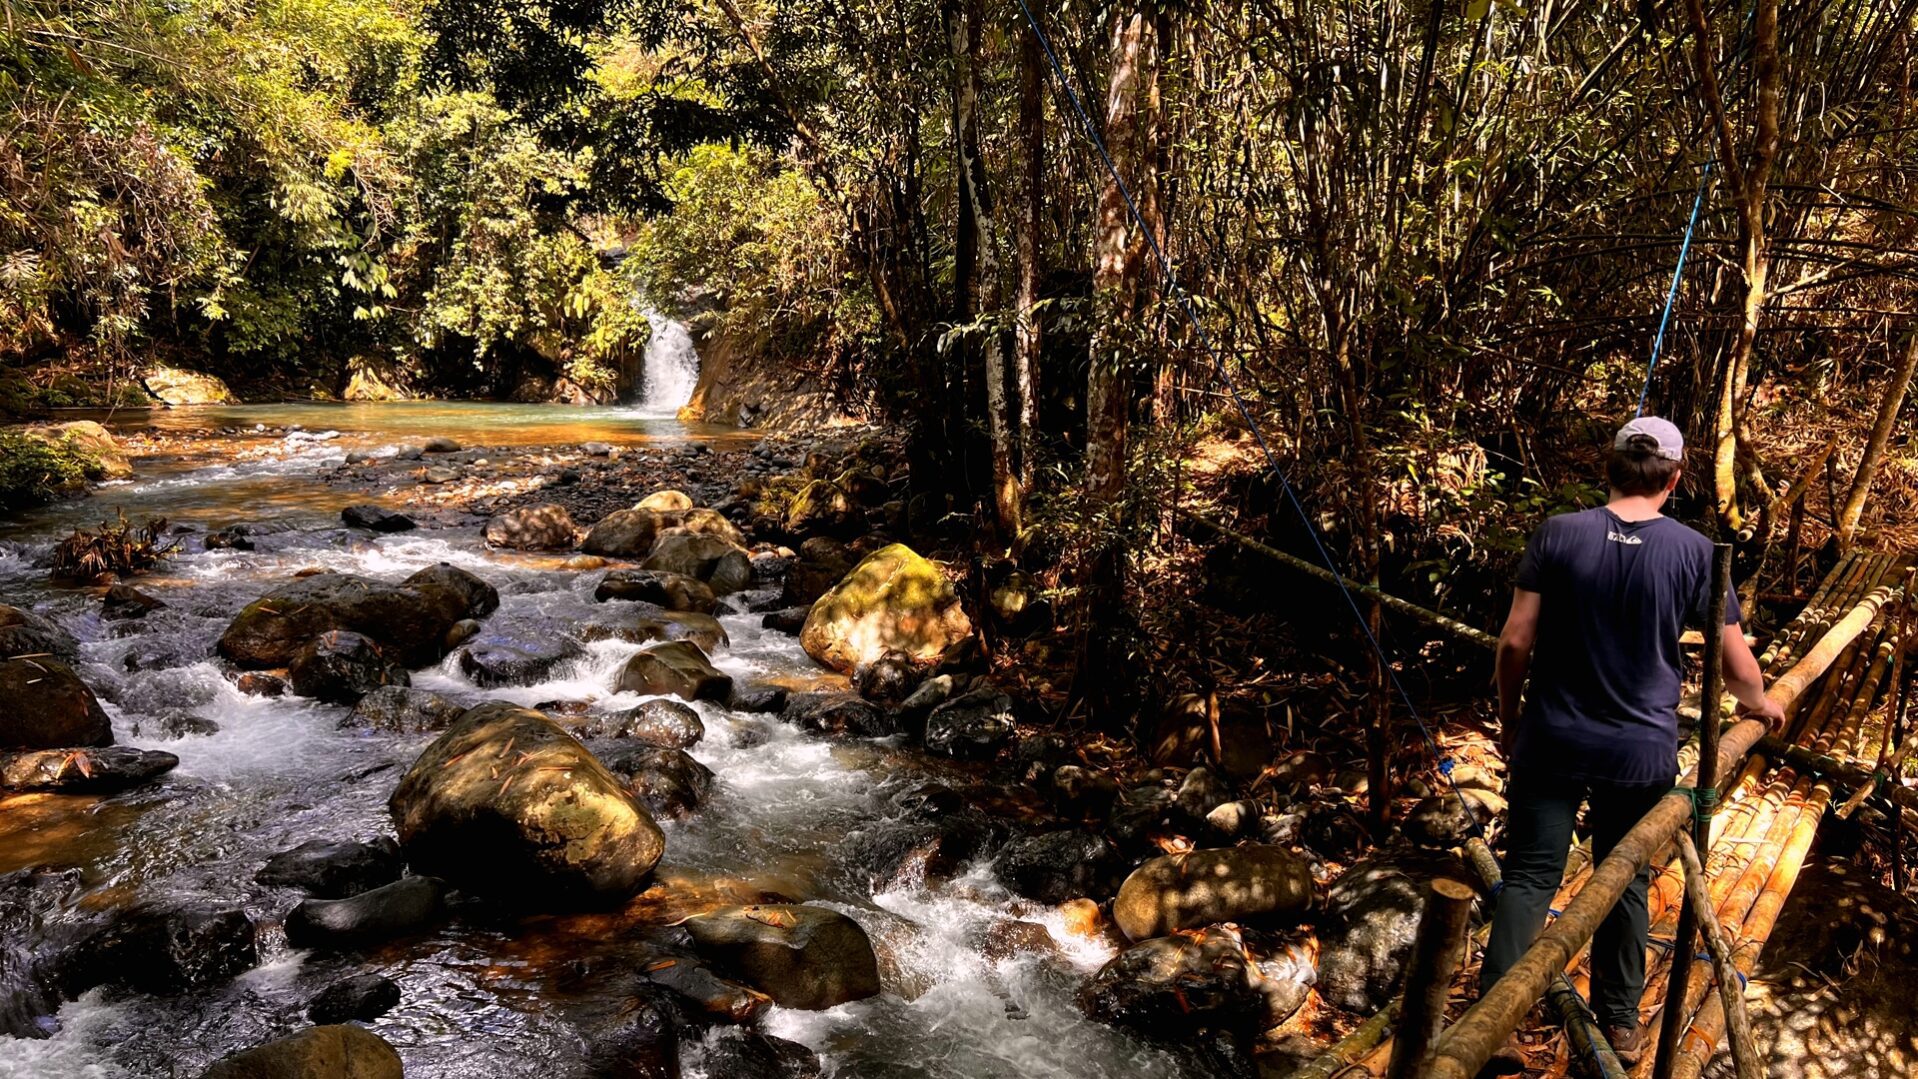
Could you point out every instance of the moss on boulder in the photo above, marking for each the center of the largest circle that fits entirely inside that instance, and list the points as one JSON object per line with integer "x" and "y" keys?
{"x": 893, "y": 600}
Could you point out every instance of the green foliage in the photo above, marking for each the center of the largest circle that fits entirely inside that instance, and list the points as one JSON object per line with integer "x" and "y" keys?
{"x": 36, "y": 470}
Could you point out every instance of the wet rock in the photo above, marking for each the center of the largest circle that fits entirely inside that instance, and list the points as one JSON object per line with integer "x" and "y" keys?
{"x": 340, "y": 1051}
{"x": 340, "y": 667}
{"x": 402, "y": 710}
{"x": 665, "y": 501}
{"x": 178, "y": 725}
{"x": 1200, "y": 792}
{"x": 164, "y": 950}
{"x": 672, "y": 591}
{"x": 921, "y": 847}
{"x": 724, "y": 566}
{"x": 678, "y": 668}
{"x": 971, "y": 727}
{"x": 1370, "y": 919}
{"x": 408, "y": 620}
{"x": 893, "y": 600}
{"x": 839, "y": 714}
{"x": 703, "y": 992}
{"x": 545, "y": 527}
{"x": 48, "y": 707}
{"x": 1441, "y": 820}
{"x": 930, "y": 694}
{"x": 665, "y": 724}
{"x": 440, "y": 444}
{"x": 364, "y": 997}
{"x": 822, "y": 509}
{"x": 1058, "y": 866}
{"x": 710, "y": 522}
{"x": 786, "y": 619}
{"x": 404, "y": 907}
{"x": 653, "y": 623}
{"x": 83, "y": 769}
{"x": 1173, "y": 987}
{"x": 1230, "y": 884}
{"x": 668, "y": 781}
{"x": 507, "y": 804}
{"x": 333, "y": 868}
{"x": 1082, "y": 792}
{"x": 596, "y": 449}
{"x": 462, "y": 631}
{"x": 887, "y": 679}
{"x": 376, "y": 518}
{"x": 230, "y": 538}
{"x": 624, "y": 534}
{"x": 1142, "y": 812}
{"x": 123, "y": 601}
{"x": 758, "y": 698}
{"x": 26, "y": 634}
{"x": 260, "y": 684}
{"x": 454, "y": 587}
{"x": 820, "y": 564}
{"x": 802, "y": 956}
{"x": 749, "y": 1054}
{"x": 645, "y": 1047}
{"x": 503, "y": 658}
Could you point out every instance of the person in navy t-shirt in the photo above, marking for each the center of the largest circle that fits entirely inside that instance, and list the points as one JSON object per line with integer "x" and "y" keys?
{"x": 1602, "y": 598}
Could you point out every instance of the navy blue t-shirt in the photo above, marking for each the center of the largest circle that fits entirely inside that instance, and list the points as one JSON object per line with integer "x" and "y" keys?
{"x": 1602, "y": 702}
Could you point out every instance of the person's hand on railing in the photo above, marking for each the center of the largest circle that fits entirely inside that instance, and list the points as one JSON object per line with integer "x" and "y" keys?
{"x": 1768, "y": 711}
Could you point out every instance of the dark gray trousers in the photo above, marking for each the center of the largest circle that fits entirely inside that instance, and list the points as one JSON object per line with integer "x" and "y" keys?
{"x": 1539, "y": 834}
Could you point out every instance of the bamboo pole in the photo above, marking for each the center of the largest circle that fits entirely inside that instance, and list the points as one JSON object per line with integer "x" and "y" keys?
{"x": 1464, "y": 1048}
{"x": 1453, "y": 626}
{"x": 1437, "y": 952}
{"x": 1354, "y": 1047}
{"x": 1730, "y": 988}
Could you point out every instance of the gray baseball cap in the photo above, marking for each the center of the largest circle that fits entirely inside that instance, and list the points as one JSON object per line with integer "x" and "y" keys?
{"x": 1671, "y": 444}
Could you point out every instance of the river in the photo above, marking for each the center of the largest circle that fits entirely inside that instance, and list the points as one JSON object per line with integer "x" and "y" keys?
{"x": 480, "y": 997}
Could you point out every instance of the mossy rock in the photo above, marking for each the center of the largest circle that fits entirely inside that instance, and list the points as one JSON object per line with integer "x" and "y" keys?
{"x": 893, "y": 600}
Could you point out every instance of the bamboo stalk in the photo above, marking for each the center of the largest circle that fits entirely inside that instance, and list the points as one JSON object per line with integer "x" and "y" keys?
{"x": 1437, "y": 952}
{"x": 1730, "y": 988}
{"x": 1352, "y": 1048}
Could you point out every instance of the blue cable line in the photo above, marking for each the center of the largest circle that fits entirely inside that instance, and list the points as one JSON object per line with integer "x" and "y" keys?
{"x": 1671, "y": 295}
{"x": 1225, "y": 379}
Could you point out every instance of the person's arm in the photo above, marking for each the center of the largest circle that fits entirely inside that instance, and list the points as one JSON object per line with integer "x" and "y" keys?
{"x": 1745, "y": 681}
{"x": 1515, "y": 643}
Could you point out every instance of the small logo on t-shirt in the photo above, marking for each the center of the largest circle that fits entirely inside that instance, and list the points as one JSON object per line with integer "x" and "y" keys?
{"x": 1620, "y": 537}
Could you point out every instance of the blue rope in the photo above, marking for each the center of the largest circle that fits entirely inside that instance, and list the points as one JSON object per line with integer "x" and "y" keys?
{"x": 1232, "y": 391}
{"x": 1671, "y": 294}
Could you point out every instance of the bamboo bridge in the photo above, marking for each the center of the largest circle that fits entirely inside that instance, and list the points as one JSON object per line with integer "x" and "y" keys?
{"x": 1827, "y": 669}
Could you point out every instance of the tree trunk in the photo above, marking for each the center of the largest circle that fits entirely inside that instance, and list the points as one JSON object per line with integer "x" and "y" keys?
{"x": 1888, "y": 407}
{"x": 1115, "y": 282}
{"x": 981, "y": 294}
{"x": 1026, "y": 331}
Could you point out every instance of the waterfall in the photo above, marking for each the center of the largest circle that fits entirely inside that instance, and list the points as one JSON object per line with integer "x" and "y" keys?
{"x": 671, "y": 367}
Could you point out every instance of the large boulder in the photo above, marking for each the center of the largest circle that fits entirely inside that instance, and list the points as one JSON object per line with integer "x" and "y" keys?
{"x": 161, "y": 950}
{"x": 624, "y": 533}
{"x": 545, "y": 527}
{"x": 178, "y": 386}
{"x": 667, "y": 500}
{"x": 516, "y": 659}
{"x": 668, "y": 781}
{"x": 49, "y": 707}
{"x": 1173, "y": 987}
{"x": 409, "y": 620}
{"x": 1370, "y": 919}
{"x": 1446, "y": 819}
{"x": 821, "y": 508}
{"x": 838, "y": 714}
{"x": 406, "y": 906}
{"x": 108, "y": 459}
{"x": 974, "y": 726}
{"x": 333, "y": 869}
{"x": 507, "y": 804}
{"x": 930, "y": 844}
{"x": 24, "y": 634}
{"x": 802, "y": 956}
{"x": 678, "y": 668}
{"x": 892, "y": 600}
{"x": 672, "y": 591}
{"x": 83, "y": 770}
{"x": 723, "y": 565}
{"x": 749, "y": 1054}
{"x": 1231, "y": 884}
{"x": 403, "y": 710}
{"x": 666, "y": 724}
{"x": 1056, "y": 866}
{"x": 340, "y": 666}
{"x": 712, "y": 523}
{"x": 341, "y": 1051}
